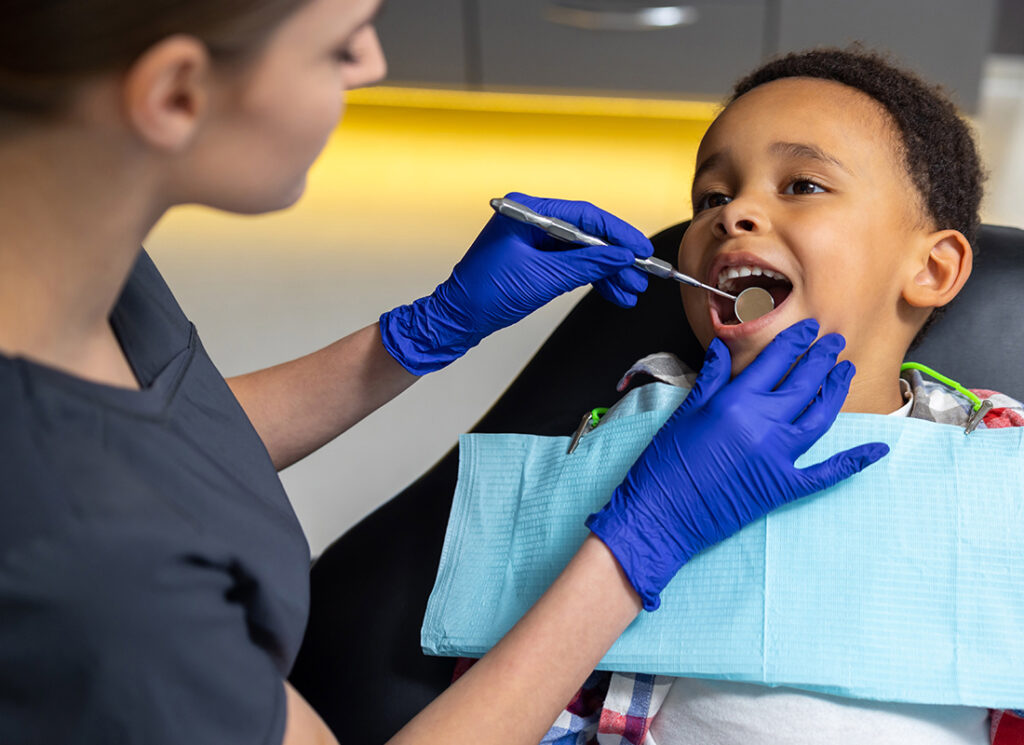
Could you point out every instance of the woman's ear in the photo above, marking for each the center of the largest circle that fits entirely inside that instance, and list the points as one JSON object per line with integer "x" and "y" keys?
{"x": 165, "y": 92}
{"x": 945, "y": 264}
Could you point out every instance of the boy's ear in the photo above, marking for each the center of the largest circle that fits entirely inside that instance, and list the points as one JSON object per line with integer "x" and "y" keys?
{"x": 165, "y": 92}
{"x": 944, "y": 264}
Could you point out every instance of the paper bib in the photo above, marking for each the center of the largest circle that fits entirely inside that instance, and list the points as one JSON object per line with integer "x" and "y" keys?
{"x": 904, "y": 583}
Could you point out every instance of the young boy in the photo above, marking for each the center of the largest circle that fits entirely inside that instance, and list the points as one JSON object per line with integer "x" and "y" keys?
{"x": 850, "y": 190}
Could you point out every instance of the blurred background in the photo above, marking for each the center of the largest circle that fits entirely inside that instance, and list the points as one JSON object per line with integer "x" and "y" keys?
{"x": 585, "y": 99}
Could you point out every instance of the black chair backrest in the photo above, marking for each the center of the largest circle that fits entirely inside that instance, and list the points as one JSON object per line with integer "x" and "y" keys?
{"x": 361, "y": 666}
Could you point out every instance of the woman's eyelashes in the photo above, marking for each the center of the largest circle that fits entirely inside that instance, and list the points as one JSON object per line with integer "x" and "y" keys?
{"x": 352, "y": 50}
{"x": 346, "y": 55}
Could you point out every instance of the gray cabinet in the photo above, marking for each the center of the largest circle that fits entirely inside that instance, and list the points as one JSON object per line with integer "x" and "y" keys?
{"x": 943, "y": 40}
{"x": 424, "y": 41}
{"x": 639, "y": 47}
{"x": 664, "y": 48}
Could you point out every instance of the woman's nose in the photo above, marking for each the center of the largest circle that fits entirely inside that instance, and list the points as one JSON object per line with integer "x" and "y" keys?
{"x": 372, "y": 66}
{"x": 739, "y": 217}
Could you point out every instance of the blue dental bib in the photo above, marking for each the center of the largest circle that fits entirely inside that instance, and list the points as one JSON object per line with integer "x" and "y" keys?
{"x": 904, "y": 583}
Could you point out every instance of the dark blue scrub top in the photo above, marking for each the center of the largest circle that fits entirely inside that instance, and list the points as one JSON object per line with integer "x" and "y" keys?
{"x": 153, "y": 577}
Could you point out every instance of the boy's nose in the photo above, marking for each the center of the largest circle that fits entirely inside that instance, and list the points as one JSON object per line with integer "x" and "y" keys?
{"x": 739, "y": 217}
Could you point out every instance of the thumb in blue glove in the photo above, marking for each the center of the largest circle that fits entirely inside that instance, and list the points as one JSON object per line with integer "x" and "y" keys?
{"x": 511, "y": 270}
{"x": 726, "y": 457}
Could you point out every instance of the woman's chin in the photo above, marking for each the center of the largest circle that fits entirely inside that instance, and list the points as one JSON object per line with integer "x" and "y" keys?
{"x": 285, "y": 198}
{"x": 294, "y": 194}
{"x": 250, "y": 203}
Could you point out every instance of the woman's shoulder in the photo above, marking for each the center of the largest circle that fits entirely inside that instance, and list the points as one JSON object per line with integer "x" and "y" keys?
{"x": 148, "y": 320}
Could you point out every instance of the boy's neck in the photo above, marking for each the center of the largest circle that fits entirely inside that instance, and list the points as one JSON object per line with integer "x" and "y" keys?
{"x": 875, "y": 390}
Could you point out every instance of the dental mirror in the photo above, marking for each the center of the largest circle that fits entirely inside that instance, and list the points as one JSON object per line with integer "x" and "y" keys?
{"x": 753, "y": 303}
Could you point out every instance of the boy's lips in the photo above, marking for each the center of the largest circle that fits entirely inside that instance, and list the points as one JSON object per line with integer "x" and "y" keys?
{"x": 734, "y": 272}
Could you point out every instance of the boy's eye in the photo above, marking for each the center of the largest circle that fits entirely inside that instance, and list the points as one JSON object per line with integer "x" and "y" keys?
{"x": 714, "y": 199}
{"x": 804, "y": 186}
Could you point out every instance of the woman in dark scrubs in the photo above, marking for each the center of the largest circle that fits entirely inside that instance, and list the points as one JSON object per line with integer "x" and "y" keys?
{"x": 153, "y": 577}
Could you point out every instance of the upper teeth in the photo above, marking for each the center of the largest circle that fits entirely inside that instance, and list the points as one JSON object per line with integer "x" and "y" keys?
{"x": 727, "y": 275}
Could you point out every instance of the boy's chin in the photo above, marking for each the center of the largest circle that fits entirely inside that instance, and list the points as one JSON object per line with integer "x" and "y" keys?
{"x": 743, "y": 357}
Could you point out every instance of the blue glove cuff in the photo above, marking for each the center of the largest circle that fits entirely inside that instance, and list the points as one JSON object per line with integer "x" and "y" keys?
{"x": 634, "y": 554}
{"x": 423, "y": 341}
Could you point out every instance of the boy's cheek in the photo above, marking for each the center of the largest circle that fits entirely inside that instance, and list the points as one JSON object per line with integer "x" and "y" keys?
{"x": 697, "y": 316}
{"x": 687, "y": 259}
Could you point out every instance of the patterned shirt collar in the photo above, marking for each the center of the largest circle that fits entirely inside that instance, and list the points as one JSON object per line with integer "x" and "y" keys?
{"x": 931, "y": 400}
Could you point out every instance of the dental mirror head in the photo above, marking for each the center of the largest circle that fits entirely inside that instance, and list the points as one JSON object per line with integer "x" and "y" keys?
{"x": 753, "y": 303}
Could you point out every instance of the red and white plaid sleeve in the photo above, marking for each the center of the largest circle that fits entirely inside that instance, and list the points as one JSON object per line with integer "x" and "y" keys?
{"x": 1007, "y": 726}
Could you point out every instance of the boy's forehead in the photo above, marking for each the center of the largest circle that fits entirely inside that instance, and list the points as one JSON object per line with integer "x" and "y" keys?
{"x": 831, "y": 115}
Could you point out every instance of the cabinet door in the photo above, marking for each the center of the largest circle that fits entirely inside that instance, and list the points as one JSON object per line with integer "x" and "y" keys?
{"x": 424, "y": 42}
{"x": 943, "y": 40}
{"x": 629, "y": 46}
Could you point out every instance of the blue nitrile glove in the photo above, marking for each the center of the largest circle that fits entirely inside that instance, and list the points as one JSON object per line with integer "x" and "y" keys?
{"x": 726, "y": 456}
{"x": 511, "y": 270}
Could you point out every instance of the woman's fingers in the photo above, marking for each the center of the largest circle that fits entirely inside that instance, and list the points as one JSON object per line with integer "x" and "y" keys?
{"x": 824, "y": 408}
{"x": 714, "y": 375}
{"x": 591, "y": 220}
{"x": 804, "y": 380}
{"x": 622, "y": 288}
{"x": 842, "y": 465}
{"x": 775, "y": 360}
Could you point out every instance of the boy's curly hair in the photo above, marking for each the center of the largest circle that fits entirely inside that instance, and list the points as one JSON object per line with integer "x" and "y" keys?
{"x": 937, "y": 146}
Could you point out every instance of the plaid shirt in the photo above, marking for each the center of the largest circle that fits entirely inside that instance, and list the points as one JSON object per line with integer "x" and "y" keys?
{"x": 618, "y": 708}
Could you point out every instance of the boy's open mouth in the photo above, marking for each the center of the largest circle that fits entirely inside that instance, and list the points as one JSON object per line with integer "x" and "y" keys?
{"x": 735, "y": 279}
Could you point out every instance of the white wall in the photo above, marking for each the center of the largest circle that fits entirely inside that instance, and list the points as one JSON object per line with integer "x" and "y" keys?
{"x": 261, "y": 306}
{"x": 1001, "y": 131}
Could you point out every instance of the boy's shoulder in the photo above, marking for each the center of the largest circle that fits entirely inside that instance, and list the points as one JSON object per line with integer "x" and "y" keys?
{"x": 933, "y": 401}
{"x": 937, "y": 402}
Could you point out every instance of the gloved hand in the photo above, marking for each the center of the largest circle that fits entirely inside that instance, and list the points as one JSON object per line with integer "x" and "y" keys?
{"x": 511, "y": 270}
{"x": 726, "y": 456}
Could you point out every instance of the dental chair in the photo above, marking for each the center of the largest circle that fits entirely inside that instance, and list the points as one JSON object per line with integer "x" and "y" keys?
{"x": 361, "y": 666}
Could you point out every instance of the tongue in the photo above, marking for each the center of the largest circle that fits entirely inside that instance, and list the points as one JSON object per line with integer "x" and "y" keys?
{"x": 726, "y": 309}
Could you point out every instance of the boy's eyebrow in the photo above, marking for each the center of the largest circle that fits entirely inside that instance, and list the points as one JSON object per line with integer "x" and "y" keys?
{"x": 787, "y": 149}
{"x": 710, "y": 162}
{"x": 803, "y": 150}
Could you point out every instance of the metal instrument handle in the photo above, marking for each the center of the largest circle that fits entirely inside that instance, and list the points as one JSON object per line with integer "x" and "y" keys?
{"x": 656, "y": 267}
{"x": 571, "y": 234}
{"x": 578, "y": 15}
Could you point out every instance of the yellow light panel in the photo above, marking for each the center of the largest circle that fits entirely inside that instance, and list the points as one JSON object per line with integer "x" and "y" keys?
{"x": 413, "y": 170}
{"x": 533, "y": 103}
